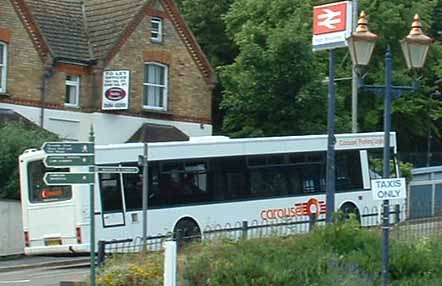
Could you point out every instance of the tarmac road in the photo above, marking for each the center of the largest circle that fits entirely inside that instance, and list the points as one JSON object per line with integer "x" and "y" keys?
{"x": 43, "y": 276}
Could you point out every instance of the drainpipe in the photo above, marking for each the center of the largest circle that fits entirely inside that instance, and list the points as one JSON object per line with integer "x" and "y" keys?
{"x": 49, "y": 71}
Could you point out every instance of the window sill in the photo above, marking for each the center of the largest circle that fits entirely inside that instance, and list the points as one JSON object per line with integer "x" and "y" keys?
{"x": 4, "y": 93}
{"x": 154, "y": 41}
{"x": 73, "y": 106}
{"x": 155, "y": 110}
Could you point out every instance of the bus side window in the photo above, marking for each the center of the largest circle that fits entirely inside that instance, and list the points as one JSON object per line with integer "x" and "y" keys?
{"x": 348, "y": 170}
{"x": 110, "y": 187}
{"x": 184, "y": 182}
{"x": 133, "y": 188}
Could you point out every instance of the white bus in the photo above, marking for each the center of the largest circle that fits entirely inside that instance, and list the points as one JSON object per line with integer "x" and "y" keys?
{"x": 197, "y": 184}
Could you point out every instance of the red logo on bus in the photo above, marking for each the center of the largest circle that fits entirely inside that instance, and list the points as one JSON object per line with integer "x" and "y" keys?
{"x": 311, "y": 207}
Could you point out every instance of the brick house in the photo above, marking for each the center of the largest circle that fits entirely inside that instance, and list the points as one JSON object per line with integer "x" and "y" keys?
{"x": 121, "y": 65}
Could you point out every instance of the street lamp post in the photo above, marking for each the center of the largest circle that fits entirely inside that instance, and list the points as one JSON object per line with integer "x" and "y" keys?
{"x": 415, "y": 48}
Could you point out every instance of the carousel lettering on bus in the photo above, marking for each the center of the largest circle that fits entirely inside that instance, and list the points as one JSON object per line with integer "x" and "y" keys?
{"x": 312, "y": 207}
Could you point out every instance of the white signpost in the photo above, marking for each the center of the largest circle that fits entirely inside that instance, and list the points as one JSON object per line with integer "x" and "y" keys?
{"x": 332, "y": 25}
{"x": 389, "y": 189}
{"x": 115, "y": 90}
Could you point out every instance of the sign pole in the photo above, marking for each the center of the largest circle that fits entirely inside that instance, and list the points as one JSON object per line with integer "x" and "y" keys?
{"x": 92, "y": 214}
{"x": 387, "y": 127}
{"x": 145, "y": 195}
{"x": 330, "y": 195}
{"x": 332, "y": 25}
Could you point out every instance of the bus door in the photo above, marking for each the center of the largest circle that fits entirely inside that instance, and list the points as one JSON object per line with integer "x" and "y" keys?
{"x": 112, "y": 210}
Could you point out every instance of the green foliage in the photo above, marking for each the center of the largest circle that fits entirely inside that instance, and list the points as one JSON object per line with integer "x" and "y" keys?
{"x": 204, "y": 18}
{"x": 342, "y": 254}
{"x": 132, "y": 270}
{"x": 272, "y": 81}
{"x": 339, "y": 254}
{"x": 273, "y": 261}
{"x": 14, "y": 139}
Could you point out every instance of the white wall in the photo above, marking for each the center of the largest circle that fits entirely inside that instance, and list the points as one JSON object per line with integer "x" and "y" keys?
{"x": 11, "y": 228}
{"x": 108, "y": 128}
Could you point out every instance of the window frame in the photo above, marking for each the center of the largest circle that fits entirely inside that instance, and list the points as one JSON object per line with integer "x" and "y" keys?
{"x": 159, "y": 32}
{"x": 165, "y": 87}
{"x": 4, "y": 67}
{"x": 76, "y": 84}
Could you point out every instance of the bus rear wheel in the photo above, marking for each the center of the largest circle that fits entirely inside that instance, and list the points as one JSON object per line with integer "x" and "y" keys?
{"x": 349, "y": 209}
{"x": 187, "y": 230}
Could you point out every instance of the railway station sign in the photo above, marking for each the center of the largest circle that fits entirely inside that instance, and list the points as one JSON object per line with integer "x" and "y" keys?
{"x": 68, "y": 148}
{"x": 332, "y": 25}
{"x": 64, "y": 178}
{"x": 112, "y": 169}
{"x": 63, "y": 161}
{"x": 389, "y": 189}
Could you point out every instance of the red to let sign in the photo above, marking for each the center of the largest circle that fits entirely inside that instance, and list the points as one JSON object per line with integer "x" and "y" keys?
{"x": 332, "y": 24}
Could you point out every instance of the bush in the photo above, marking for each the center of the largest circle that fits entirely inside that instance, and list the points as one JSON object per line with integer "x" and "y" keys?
{"x": 14, "y": 139}
{"x": 311, "y": 259}
{"x": 342, "y": 254}
{"x": 132, "y": 270}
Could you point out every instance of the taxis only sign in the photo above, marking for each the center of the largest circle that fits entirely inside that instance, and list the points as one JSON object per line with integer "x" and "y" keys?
{"x": 389, "y": 189}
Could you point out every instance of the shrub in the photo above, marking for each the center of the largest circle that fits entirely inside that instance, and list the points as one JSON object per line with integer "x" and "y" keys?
{"x": 14, "y": 139}
{"x": 297, "y": 260}
{"x": 132, "y": 270}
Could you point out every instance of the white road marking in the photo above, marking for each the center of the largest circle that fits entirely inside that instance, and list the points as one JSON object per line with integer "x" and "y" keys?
{"x": 16, "y": 281}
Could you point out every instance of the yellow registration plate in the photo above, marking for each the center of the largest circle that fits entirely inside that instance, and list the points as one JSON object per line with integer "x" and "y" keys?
{"x": 53, "y": 241}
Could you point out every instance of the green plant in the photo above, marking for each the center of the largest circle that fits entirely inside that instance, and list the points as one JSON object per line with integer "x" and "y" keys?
{"x": 14, "y": 139}
{"x": 132, "y": 270}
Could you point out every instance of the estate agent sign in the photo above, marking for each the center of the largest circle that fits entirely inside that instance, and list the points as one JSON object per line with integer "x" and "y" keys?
{"x": 116, "y": 90}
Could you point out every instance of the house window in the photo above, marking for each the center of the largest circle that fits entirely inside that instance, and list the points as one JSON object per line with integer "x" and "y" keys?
{"x": 155, "y": 86}
{"x": 156, "y": 30}
{"x": 3, "y": 67}
{"x": 72, "y": 90}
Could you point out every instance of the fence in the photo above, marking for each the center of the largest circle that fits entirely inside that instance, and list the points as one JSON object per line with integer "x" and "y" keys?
{"x": 240, "y": 230}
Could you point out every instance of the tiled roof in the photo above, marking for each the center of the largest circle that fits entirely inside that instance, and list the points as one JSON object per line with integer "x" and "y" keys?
{"x": 149, "y": 132}
{"x": 86, "y": 30}
{"x": 107, "y": 20}
{"x": 61, "y": 23}
{"x": 82, "y": 30}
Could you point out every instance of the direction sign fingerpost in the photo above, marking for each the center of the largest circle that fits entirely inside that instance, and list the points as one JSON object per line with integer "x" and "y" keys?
{"x": 74, "y": 154}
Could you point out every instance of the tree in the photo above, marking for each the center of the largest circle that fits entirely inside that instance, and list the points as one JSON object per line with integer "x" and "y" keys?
{"x": 205, "y": 19}
{"x": 14, "y": 139}
{"x": 274, "y": 87}
{"x": 273, "y": 80}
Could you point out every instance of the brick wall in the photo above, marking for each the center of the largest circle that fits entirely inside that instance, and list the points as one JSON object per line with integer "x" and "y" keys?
{"x": 25, "y": 68}
{"x": 189, "y": 94}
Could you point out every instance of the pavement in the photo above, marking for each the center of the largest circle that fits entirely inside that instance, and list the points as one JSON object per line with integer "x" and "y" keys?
{"x": 20, "y": 262}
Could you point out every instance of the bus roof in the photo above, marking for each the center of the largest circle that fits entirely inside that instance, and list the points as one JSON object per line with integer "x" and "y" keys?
{"x": 220, "y": 146}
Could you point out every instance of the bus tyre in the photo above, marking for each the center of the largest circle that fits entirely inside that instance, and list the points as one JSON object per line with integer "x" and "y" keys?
{"x": 349, "y": 209}
{"x": 187, "y": 230}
